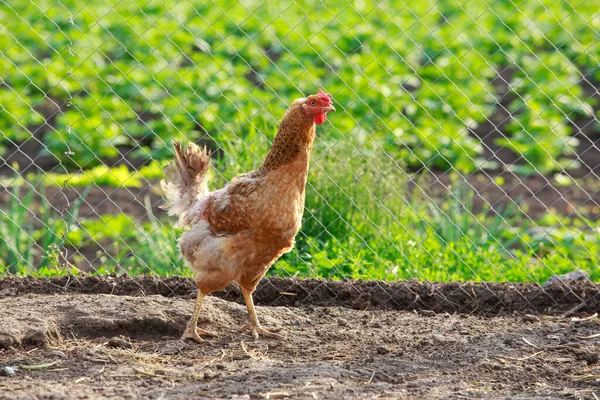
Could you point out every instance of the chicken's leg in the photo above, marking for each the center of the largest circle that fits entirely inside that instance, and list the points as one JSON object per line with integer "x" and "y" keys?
{"x": 191, "y": 330}
{"x": 253, "y": 325}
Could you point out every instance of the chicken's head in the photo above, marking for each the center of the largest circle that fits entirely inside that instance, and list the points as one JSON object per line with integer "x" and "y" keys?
{"x": 317, "y": 106}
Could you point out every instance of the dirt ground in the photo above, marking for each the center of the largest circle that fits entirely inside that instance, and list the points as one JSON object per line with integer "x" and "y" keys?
{"x": 76, "y": 345}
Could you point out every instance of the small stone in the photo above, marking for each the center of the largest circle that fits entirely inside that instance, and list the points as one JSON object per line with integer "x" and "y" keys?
{"x": 573, "y": 276}
{"x": 440, "y": 339}
{"x": 9, "y": 371}
{"x": 382, "y": 350}
{"x": 172, "y": 347}
{"x": 8, "y": 291}
{"x": 342, "y": 322}
{"x": 588, "y": 356}
{"x": 119, "y": 343}
{"x": 529, "y": 318}
{"x": 57, "y": 353}
{"x": 428, "y": 313}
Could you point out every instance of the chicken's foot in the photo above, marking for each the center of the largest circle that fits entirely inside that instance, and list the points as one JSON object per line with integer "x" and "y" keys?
{"x": 189, "y": 333}
{"x": 191, "y": 330}
{"x": 257, "y": 330}
{"x": 253, "y": 325}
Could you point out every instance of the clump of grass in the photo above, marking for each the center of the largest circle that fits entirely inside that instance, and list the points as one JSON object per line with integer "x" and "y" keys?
{"x": 33, "y": 234}
{"x": 155, "y": 249}
{"x": 131, "y": 246}
{"x": 363, "y": 223}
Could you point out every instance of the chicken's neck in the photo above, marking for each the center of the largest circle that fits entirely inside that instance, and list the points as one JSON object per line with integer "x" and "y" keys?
{"x": 294, "y": 140}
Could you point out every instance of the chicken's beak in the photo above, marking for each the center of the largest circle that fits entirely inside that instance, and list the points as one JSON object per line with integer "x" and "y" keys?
{"x": 328, "y": 108}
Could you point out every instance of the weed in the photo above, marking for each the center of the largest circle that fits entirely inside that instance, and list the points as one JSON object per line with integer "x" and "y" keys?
{"x": 33, "y": 234}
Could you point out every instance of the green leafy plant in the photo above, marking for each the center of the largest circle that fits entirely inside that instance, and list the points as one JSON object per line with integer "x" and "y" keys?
{"x": 548, "y": 99}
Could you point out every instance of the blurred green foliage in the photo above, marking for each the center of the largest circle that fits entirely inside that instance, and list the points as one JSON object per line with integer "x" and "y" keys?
{"x": 127, "y": 77}
{"x": 101, "y": 175}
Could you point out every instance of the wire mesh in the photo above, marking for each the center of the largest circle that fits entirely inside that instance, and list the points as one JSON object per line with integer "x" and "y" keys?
{"x": 464, "y": 148}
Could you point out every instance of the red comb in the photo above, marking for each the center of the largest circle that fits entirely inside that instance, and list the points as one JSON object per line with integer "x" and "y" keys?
{"x": 324, "y": 96}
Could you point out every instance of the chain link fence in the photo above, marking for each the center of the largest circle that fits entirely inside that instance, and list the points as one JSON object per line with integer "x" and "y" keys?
{"x": 464, "y": 148}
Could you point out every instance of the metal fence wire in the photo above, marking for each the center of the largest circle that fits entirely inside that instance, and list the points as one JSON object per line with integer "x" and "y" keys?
{"x": 465, "y": 145}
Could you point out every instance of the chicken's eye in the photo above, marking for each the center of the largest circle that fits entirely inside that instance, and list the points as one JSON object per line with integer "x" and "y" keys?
{"x": 313, "y": 103}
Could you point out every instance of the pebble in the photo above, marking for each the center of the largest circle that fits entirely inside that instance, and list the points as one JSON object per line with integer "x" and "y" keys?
{"x": 8, "y": 371}
{"x": 588, "y": 356}
{"x": 119, "y": 343}
{"x": 8, "y": 292}
{"x": 529, "y": 318}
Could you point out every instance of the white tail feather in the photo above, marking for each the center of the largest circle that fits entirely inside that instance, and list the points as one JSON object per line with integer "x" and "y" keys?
{"x": 185, "y": 181}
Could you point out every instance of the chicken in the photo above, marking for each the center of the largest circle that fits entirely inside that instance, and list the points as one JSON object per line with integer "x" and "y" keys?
{"x": 238, "y": 232}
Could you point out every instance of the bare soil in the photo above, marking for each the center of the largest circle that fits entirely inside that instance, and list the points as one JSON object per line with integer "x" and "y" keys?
{"x": 75, "y": 345}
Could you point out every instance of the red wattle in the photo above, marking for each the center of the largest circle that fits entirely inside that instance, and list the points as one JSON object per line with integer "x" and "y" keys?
{"x": 319, "y": 118}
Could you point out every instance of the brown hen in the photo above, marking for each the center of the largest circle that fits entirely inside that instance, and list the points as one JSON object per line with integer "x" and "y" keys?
{"x": 236, "y": 233}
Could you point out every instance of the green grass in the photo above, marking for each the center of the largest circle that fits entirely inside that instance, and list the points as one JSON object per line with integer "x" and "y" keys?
{"x": 367, "y": 228}
{"x": 130, "y": 246}
{"x": 130, "y": 76}
{"x": 33, "y": 235}
{"x": 360, "y": 223}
